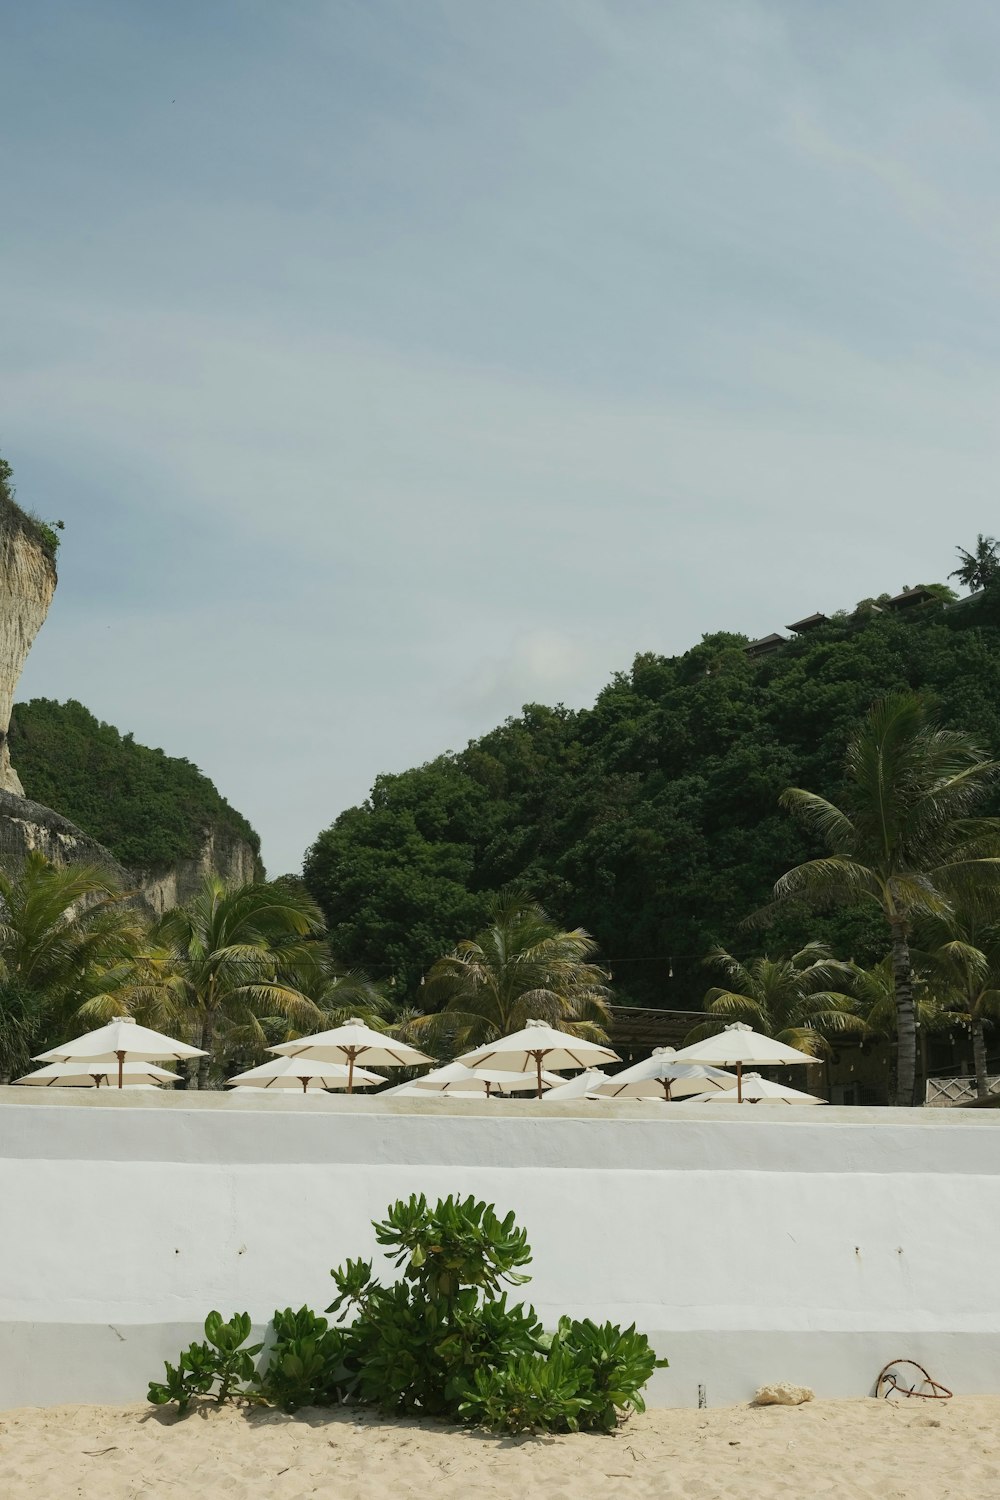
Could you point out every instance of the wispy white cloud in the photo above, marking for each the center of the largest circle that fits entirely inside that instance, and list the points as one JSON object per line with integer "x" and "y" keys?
{"x": 418, "y": 363}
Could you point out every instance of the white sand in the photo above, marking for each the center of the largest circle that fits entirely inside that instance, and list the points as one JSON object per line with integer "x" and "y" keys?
{"x": 908, "y": 1450}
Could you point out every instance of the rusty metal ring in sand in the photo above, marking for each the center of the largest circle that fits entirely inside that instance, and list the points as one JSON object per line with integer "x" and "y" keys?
{"x": 888, "y": 1379}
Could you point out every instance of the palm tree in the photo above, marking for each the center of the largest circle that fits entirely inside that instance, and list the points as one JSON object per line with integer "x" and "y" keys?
{"x": 239, "y": 956}
{"x": 798, "y": 1000}
{"x": 67, "y": 935}
{"x": 904, "y": 838}
{"x": 980, "y": 567}
{"x": 521, "y": 967}
{"x": 965, "y": 949}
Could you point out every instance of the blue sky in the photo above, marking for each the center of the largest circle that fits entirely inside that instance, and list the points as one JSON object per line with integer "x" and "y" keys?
{"x": 393, "y": 364}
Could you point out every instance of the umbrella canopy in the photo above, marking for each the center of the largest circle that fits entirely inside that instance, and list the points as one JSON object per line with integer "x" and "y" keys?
{"x": 757, "y": 1090}
{"x": 663, "y": 1077}
{"x": 455, "y": 1076}
{"x": 525, "y": 1051}
{"x": 741, "y": 1047}
{"x": 583, "y": 1086}
{"x": 410, "y": 1091}
{"x": 91, "y": 1075}
{"x": 304, "y": 1073}
{"x": 120, "y": 1041}
{"x": 347, "y": 1043}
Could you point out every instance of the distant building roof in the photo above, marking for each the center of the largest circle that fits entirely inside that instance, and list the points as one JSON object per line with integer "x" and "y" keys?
{"x": 765, "y": 645}
{"x": 809, "y": 623}
{"x": 909, "y": 597}
{"x": 634, "y": 1028}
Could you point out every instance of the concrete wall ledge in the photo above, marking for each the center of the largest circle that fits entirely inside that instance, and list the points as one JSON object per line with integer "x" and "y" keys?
{"x": 753, "y": 1244}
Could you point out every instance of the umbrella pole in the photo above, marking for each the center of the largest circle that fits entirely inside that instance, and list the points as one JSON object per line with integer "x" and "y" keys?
{"x": 739, "y": 1083}
{"x": 305, "y": 1084}
{"x": 538, "y": 1065}
{"x": 121, "y": 1066}
{"x": 350, "y": 1071}
{"x": 666, "y": 1087}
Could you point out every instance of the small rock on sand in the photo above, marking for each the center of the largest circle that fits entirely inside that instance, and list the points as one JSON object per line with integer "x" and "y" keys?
{"x": 782, "y": 1394}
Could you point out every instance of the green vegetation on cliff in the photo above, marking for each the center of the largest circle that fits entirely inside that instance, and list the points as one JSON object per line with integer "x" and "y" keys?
{"x": 652, "y": 819}
{"x": 149, "y": 809}
{"x": 46, "y": 534}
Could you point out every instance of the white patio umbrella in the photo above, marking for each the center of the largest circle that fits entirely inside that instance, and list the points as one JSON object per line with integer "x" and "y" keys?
{"x": 122, "y": 1040}
{"x": 663, "y": 1077}
{"x": 456, "y": 1077}
{"x": 583, "y": 1086}
{"x": 526, "y": 1050}
{"x": 347, "y": 1043}
{"x": 304, "y": 1073}
{"x": 757, "y": 1090}
{"x": 739, "y": 1046}
{"x": 92, "y": 1075}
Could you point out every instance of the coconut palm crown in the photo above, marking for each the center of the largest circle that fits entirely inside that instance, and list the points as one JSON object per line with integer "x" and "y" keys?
{"x": 522, "y": 966}
{"x": 801, "y": 1000}
{"x": 67, "y": 935}
{"x": 238, "y": 955}
{"x": 905, "y": 837}
{"x": 964, "y": 949}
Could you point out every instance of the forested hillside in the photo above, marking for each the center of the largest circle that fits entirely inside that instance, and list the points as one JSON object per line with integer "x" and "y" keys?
{"x": 149, "y": 809}
{"x": 652, "y": 818}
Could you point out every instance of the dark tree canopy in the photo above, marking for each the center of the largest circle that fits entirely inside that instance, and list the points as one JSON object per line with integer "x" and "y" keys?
{"x": 651, "y": 819}
{"x": 148, "y": 808}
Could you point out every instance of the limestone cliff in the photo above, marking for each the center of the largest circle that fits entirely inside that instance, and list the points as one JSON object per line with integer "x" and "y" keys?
{"x": 223, "y": 854}
{"x": 27, "y": 584}
{"x": 25, "y": 826}
{"x": 164, "y": 826}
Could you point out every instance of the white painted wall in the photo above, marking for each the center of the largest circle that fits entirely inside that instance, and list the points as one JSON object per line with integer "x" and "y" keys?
{"x": 752, "y": 1245}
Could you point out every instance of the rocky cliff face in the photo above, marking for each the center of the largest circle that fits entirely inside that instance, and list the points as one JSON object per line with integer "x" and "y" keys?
{"x": 27, "y": 584}
{"x": 221, "y": 854}
{"x": 25, "y": 826}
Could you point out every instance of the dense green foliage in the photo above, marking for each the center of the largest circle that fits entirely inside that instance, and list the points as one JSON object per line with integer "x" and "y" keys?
{"x": 906, "y": 838}
{"x": 68, "y": 941}
{"x": 441, "y": 1342}
{"x": 652, "y": 819}
{"x": 148, "y": 808}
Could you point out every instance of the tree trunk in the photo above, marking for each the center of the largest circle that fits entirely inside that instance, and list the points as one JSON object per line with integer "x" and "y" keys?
{"x": 906, "y": 1020}
{"x": 979, "y": 1058}
{"x": 197, "y": 1068}
{"x": 205, "y": 1063}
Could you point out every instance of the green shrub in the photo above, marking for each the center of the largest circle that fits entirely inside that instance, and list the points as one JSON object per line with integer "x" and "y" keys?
{"x": 305, "y": 1364}
{"x": 443, "y": 1341}
{"x": 222, "y": 1366}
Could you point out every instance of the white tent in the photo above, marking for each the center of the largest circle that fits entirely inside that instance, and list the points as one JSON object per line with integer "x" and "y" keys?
{"x": 350, "y": 1042}
{"x": 663, "y": 1077}
{"x": 757, "y": 1090}
{"x": 539, "y": 1043}
{"x": 741, "y": 1047}
{"x": 122, "y": 1040}
{"x": 304, "y": 1073}
{"x": 92, "y": 1075}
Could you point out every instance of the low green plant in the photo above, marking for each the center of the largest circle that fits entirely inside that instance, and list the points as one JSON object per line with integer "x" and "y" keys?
{"x": 305, "y": 1364}
{"x": 590, "y": 1377}
{"x": 442, "y": 1341}
{"x": 533, "y": 1392}
{"x": 221, "y": 1366}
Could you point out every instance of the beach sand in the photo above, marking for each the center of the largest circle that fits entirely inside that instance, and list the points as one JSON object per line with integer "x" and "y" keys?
{"x": 903, "y": 1450}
